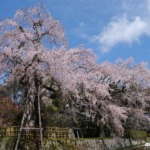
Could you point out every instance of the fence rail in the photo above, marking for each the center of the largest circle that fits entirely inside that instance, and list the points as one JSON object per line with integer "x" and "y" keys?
{"x": 48, "y": 132}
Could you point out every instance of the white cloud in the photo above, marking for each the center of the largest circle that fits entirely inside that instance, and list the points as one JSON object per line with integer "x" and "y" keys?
{"x": 124, "y": 29}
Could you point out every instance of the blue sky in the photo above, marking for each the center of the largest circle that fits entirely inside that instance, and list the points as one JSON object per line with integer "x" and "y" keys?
{"x": 112, "y": 28}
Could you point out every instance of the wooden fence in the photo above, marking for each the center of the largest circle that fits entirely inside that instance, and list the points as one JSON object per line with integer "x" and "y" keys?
{"x": 48, "y": 132}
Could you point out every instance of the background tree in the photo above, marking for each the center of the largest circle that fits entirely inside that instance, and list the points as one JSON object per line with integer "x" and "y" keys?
{"x": 9, "y": 112}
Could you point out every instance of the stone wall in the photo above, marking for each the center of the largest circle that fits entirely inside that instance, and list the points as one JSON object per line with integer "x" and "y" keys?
{"x": 74, "y": 144}
{"x": 91, "y": 144}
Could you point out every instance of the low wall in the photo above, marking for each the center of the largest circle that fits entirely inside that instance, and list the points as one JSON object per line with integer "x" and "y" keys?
{"x": 91, "y": 144}
{"x": 73, "y": 144}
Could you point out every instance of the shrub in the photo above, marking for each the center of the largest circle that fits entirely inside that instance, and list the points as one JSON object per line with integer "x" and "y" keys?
{"x": 136, "y": 134}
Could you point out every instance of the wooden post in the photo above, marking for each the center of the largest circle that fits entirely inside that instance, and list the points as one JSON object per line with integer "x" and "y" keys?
{"x": 40, "y": 124}
{"x": 23, "y": 119}
{"x": 21, "y": 128}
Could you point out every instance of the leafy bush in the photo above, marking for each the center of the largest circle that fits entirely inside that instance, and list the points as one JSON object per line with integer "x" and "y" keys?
{"x": 136, "y": 134}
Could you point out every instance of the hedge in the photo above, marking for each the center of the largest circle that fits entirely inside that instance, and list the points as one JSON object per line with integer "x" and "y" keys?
{"x": 137, "y": 134}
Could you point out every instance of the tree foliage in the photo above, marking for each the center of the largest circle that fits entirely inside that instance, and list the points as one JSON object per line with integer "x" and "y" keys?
{"x": 9, "y": 112}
